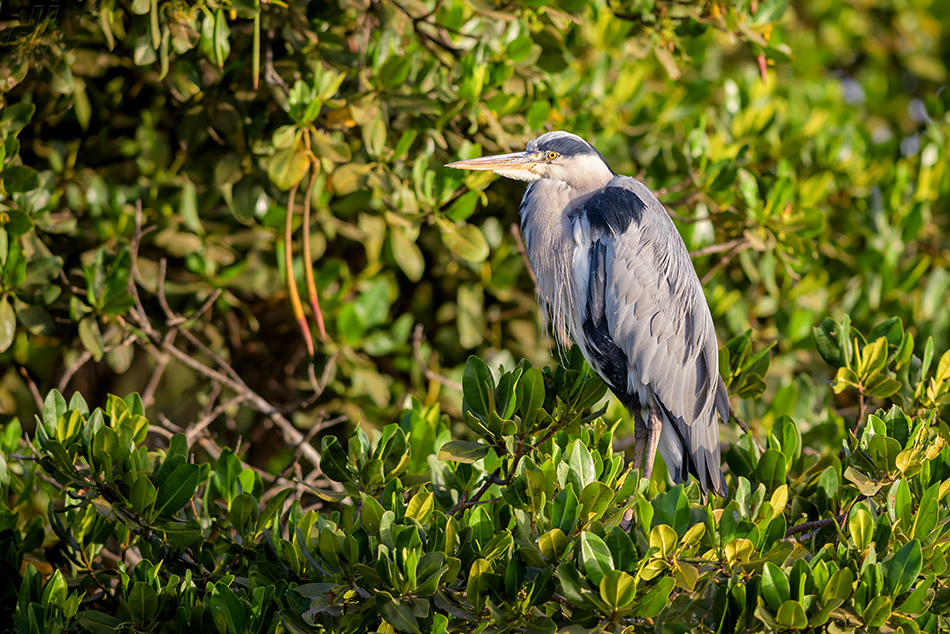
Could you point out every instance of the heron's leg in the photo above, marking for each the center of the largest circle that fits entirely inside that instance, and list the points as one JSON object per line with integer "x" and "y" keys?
{"x": 640, "y": 434}
{"x": 656, "y": 426}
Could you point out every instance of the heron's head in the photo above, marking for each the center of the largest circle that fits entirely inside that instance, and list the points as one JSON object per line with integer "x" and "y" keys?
{"x": 560, "y": 156}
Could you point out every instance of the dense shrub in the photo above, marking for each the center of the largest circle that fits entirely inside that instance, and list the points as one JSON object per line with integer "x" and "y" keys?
{"x": 235, "y": 213}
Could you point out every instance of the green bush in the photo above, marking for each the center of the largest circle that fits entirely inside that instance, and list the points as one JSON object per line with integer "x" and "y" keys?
{"x": 235, "y": 209}
{"x": 518, "y": 530}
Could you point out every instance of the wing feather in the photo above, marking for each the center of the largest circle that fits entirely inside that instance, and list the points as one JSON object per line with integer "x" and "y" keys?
{"x": 643, "y": 294}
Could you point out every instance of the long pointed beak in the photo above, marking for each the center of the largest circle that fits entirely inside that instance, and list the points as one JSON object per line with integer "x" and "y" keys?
{"x": 507, "y": 162}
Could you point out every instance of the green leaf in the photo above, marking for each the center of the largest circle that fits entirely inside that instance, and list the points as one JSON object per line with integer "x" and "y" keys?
{"x": 826, "y": 344}
{"x": 771, "y": 469}
{"x": 178, "y": 489}
{"x": 594, "y": 557}
{"x": 792, "y": 615}
{"x": 621, "y": 547}
{"x": 877, "y": 611}
{"x": 478, "y": 387}
{"x": 333, "y": 460}
{"x": 91, "y": 337}
{"x": 655, "y": 599}
{"x": 287, "y": 167}
{"x": 226, "y": 609}
{"x": 672, "y": 509}
{"x": 845, "y": 344}
{"x": 476, "y": 586}
{"x": 774, "y": 586}
{"x": 553, "y": 543}
{"x": 7, "y": 324}
{"x": 55, "y": 592}
{"x": 467, "y": 242}
{"x": 20, "y": 178}
{"x": 142, "y": 602}
{"x": 483, "y": 528}
{"x": 371, "y": 515}
{"x": 463, "y": 206}
{"x": 530, "y": 392}
{"x": 572, "y": 585}
{"x": 902, "y": 568}
{"x": 581, "y": 470}
{"x": 244, "y": 514}
{"x": 594, "y": 500}
{"x": 664, "y": 539}
{"x": 565, "y": 510}
{"x": 407, "y": 254}
{"x": 143, "y": 495}
{"x": 465, "y": 451}
{"x": 420, "y": 506}
{"x": 861, "y": 527}
{"x": 864, "y": 484}
{"x": 618, "y": 590}
{"x": 839, "y": 587}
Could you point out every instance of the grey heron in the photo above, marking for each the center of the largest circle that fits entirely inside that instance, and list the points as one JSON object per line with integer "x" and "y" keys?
{"x": 614, "y": 275}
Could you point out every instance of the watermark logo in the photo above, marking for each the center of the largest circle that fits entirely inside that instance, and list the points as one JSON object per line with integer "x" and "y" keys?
{"x": 31, "y": 38}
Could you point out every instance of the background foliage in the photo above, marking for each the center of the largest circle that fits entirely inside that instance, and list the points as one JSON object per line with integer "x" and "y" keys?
{"x": 164, "y": 164}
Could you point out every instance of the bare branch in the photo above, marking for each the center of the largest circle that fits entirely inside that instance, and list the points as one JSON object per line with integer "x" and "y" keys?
{"x": 516, "y": 232}
{"x": 724, "y": 261}
{"x": 33, "y": 389}
{"x": 162, "y": 266}
{"x": 148, "y": 396}
{"x": 717, "y": 248}
{"x": 813, "y": 526}
{"x": 180, "y": 319}
{"x": 291, "y": 435}
{"x": 73, "y": 368}
{"x": 199, "y": 426}
{"x": 224, "y": 365}
{"x": 429, "y": 372}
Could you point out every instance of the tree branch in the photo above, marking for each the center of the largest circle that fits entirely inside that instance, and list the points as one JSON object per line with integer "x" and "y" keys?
{"x": 813, "y": 526}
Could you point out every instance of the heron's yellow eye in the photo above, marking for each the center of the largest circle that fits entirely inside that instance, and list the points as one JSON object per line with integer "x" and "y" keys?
{"x": 552, "y": 155}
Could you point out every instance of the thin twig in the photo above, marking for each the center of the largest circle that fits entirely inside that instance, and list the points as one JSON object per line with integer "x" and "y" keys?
{"x": 291, "y": 434}
{"x": 224, "y": 365}
{"x": 289, "y": 268}
{"x": 73, "y": 368}
{"x": 672, "y": 189}
{"x": 33, "y": 389}
{"x": 516, "y": 232}
{"x": 431, "y": 374}
{"x": 316, "y": 429}
{"x": 308, "y": 259}
{"x": 717, "y": 248}
{"x": 464, "y": 503}
{"x": 199, "y": 426}
{"x": 723, "y": 262}
{"x": 148, "y": 396}
{"x": 139, "y": 311}
{"x": 181, "y": 319}
{"x": 318, "y": 386}
{"x": 808, "y": 526}
{"x": 862, "y": 409}
{"x": 490, "y": 480}
{"x": 162, "y": 266}
{"x": 734, "y": 415}
{"x": 561, "y": 600}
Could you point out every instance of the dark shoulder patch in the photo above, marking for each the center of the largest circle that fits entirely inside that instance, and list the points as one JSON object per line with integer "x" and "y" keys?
{"x": 613, "y": 209}
{"x": 611, "y": 361}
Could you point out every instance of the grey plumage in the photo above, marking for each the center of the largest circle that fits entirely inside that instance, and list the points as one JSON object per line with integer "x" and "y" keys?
{"x": 614, "y": 275}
